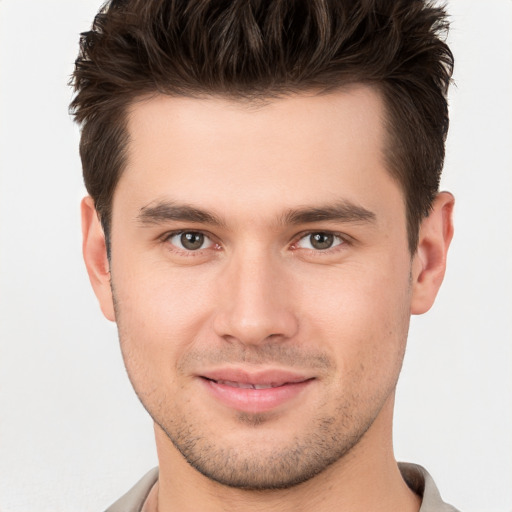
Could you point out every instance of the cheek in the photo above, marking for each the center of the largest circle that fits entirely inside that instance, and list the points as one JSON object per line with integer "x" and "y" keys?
{"x": 160, "y": 316}
{"x": 362, "y": 315}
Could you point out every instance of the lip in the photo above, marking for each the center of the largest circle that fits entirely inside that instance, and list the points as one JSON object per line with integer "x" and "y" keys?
{"x": 254, "y": 392}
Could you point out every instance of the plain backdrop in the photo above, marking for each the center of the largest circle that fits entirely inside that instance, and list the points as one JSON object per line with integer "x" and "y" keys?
{"x": 73, "y": 436}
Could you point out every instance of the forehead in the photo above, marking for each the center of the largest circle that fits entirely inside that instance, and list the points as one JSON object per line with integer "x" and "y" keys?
{"x": 355, "y": 113}
{"x": 302, "y": 149}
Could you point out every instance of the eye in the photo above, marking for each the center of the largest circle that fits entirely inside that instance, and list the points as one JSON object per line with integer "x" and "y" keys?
{"x": 319, "y": 241}
{"x": 190, "y": 241}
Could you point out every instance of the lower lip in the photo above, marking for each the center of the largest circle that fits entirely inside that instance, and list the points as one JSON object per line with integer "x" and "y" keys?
{"x": 255, "y": 400}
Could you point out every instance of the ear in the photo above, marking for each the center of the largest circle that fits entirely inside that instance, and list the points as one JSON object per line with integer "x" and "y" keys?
{"x": 95, "y": 256}
{"x": 429, "y": 262}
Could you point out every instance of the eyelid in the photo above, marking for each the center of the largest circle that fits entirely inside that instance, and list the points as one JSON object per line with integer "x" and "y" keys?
{"x": 166, "y": 238}
{"x": 345, "y": 240}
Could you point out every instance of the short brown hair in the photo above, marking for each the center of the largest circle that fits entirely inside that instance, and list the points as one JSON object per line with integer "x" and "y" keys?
{"x": 253, "y": 49}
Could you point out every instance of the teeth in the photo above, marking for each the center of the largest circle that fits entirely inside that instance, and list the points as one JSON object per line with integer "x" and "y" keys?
{"x": 245, "y": 385}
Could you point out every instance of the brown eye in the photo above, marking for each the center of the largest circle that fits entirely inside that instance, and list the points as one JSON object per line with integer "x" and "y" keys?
{"x": 190, "y": 241}
{"x": 319, "y": 241}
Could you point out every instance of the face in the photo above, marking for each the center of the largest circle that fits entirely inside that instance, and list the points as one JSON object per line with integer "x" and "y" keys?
{"x": 261, "y": 279}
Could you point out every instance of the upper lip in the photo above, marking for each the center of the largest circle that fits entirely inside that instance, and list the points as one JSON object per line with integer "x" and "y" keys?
{"x": 263, "y": 377}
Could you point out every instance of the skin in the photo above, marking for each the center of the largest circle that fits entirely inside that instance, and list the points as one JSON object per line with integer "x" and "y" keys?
{"x": 258, "y": 295}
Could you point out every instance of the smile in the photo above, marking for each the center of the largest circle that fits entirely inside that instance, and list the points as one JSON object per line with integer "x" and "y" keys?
{"x": 255, "y": 393}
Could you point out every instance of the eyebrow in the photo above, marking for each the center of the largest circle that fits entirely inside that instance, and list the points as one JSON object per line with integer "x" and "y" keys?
{"x": 343, "y": 211}
{"x": 164, "y": 211}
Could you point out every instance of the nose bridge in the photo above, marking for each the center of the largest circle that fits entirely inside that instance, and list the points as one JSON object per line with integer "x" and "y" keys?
{"x": 254, "y": 305}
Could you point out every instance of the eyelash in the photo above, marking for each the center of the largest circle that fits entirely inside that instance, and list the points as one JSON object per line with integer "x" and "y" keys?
{"x": 343, "y": 240}
{"x": 188, "y": 252}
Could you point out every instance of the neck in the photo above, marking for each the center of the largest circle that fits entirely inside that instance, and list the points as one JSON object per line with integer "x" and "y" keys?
{"x": 366, "y": 478}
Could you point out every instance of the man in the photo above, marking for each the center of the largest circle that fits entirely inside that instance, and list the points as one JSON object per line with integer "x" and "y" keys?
{"x": 263, "y": 219}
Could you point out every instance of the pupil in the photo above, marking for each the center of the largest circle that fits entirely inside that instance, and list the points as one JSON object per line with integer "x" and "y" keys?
{"x": 192, "y": 241}
{"x": 322, "y": 240}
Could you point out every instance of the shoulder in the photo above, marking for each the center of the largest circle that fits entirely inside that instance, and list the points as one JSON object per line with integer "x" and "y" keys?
{"x": 419, "y": 480}
{"x": 134, "y": 499}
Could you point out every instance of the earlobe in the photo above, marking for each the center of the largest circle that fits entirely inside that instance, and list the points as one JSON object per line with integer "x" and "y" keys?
{"x": 95, "y": 256}
{"x": 429, "y": 263}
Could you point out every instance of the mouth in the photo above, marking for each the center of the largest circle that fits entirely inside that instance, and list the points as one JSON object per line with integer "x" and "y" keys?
{"x": 255, "y": 392}
{"x": 249, "y": 385}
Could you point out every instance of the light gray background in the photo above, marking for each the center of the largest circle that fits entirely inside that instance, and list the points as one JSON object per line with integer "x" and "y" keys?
{"x": 73, "y": 437}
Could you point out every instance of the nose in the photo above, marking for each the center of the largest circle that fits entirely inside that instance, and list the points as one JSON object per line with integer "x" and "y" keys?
{"x": 254, "y": 302}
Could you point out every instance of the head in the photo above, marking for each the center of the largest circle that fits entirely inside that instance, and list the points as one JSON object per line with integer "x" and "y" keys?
{"x": 266, "y": 176}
